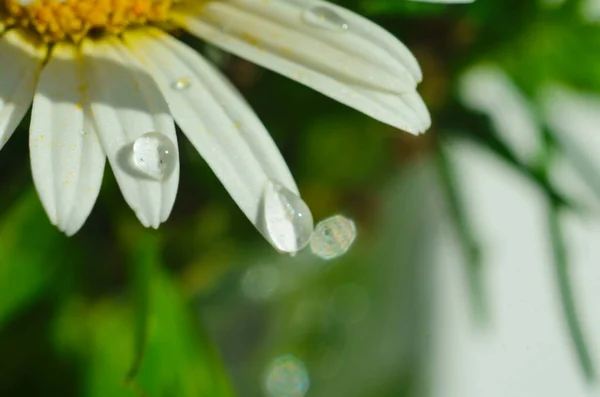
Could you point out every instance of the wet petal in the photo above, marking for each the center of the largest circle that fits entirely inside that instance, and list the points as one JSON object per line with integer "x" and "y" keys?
{"x": 215, "y": 118}
{"x": 67, "y": 160}
{"x": 359, "y": 65}
{"x": 127, "y": 104}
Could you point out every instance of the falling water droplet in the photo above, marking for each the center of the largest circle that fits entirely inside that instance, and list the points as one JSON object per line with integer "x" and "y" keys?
{"x": 182, "y": 83}
{"x": 287, "y": 377}
{"x": 325, "y": 18}
{"x": 154, "y": 155}
{"x": 288, "y": 220}
{"x": 333, "y": 237}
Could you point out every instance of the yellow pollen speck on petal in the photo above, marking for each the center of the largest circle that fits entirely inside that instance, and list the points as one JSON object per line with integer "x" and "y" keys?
{"x": 59, "y": 20}
{"x": 255, "y": 41}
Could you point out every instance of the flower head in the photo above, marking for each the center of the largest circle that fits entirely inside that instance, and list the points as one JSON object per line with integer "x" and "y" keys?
{"x": 107, "y": 81}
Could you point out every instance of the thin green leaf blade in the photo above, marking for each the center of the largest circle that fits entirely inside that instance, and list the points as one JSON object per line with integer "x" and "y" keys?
{"x": 173, "y": 357}
{"x": 569, "y": 305}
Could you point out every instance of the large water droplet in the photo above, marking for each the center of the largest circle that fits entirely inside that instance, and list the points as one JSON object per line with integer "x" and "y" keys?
{"x": 325, "y": 18}
{"x": 154, "y": 155}
{"x": 288, "y": 220}
{"x": 333, "y": 237}
{"x": 182, "y": 83}
{"x": 287, "y": 377}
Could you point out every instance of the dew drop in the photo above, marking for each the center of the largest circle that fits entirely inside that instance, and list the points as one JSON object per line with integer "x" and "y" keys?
{"x": 183, "y": 83}
{"x": 333, "y": 237}
{"x": 154, "y": 155}
{"x": 287, "y": 376}
{"x": 288, "y": 220}
{"x": 325, "y": 18}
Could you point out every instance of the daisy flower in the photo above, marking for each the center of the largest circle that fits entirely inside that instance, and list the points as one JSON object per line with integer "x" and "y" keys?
{"x": 106, "y": 80}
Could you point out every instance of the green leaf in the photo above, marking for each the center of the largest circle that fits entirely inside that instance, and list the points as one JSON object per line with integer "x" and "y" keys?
{"x": 173, "y": 358}
{"x": 145, "y": 347}
{"x": 563, "y": 277}
{"x": 110, "y": 332}
{"x": 470, "y": 244}
{"x": 30, "y": 253}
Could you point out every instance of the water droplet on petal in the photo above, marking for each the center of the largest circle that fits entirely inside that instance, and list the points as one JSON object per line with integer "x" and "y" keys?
{"x": 181, "y": 84}
{"x": 325, "y": 18}
{"x": 154, "y": 155}
{"x": 287, "y": 377}
{"x": 333, "y": 237}
{"x": 288, "y": 221}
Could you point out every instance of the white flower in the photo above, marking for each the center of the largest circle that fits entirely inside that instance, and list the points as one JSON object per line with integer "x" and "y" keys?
{"x": 107, "y": 81}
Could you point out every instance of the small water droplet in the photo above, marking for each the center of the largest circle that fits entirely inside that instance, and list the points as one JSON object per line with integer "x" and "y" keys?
{"x": 154, "y": 154}
{"x": 333, "y": 237}
{"x": 288, "y": 220}
{"x": 325, "y": 18}
{"x": 182, "y": 83}
{"x": 287, "y": 376}
{"x": 83, "y": 133}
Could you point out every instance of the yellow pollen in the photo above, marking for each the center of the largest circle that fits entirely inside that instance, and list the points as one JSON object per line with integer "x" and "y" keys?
{"x": 58, "y": 20}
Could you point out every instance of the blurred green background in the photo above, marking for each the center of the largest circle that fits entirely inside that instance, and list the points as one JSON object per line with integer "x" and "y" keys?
{"x": 205, "y": 307}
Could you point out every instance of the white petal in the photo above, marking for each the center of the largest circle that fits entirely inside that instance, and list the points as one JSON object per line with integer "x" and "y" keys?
{"x": 588, "y": 9}
{"x": 524, "y": 348}
{"x": 566, "y": 178}
{"x": 127, "y": 104}
{"x": 361, "y": 37}
{"x": 279, "y": 27}
{"x": 351, "y": 66}
{"x": 67, "y": 160}
{"x": 17, "y": 79}
{"x": 573, "y": 119}
{"x": 490, "y": 90}
{"x": 215, "y": 118}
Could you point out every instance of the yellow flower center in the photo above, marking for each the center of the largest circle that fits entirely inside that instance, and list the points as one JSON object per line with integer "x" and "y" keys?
{"x": 58, "y": 20}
